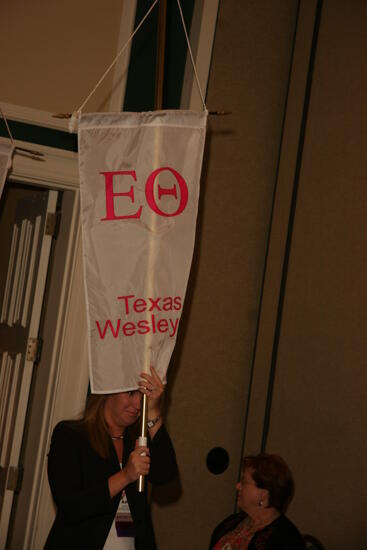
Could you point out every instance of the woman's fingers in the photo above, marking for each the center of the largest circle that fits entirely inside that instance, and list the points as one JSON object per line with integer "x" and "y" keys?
{"x": 152, "y": 378}
{"x": 156, "y": 376}
{"x": 141, "y": 450}
{"x": 138, "y": 463}
{"x": 151, "y": 384}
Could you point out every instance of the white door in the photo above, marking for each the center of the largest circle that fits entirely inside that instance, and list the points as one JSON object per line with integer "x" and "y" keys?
{"x": 26, "y": 215}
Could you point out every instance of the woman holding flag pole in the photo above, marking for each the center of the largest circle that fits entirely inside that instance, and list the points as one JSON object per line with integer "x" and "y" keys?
{"x": 93, "y": 466}
{"x": 94, "y": 463}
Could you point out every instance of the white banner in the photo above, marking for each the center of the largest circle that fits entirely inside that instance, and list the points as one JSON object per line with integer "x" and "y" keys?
{"x": 139, "y": 182}
{"x": 6, "y": 154}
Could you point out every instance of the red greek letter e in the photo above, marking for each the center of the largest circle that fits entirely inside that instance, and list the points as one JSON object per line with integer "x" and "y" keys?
{"x": 110, "y": 196}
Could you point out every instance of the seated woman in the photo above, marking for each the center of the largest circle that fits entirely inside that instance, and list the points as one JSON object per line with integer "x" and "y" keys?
{"x": 93, "y": 466}
{"x": 264, "y": 493}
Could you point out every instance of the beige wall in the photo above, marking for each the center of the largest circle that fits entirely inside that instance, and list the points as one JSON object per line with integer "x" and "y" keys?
{"x": 318, "y": 411}
{"x": 319, "y": 398}
{"x": 53, "y": 53}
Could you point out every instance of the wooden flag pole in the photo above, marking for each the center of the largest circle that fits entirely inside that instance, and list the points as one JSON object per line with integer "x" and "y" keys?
{"x": 159, "y": 82}
{"x": 143, "y": 437}
{"x": 161, "y": 50}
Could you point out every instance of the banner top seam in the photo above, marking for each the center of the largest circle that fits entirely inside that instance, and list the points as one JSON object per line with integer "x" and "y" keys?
{"x": 107, "y": 126}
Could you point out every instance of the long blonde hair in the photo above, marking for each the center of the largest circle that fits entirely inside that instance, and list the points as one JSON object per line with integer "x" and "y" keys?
{"x": 95, "y": 425}
{"x": 93, "y": 422}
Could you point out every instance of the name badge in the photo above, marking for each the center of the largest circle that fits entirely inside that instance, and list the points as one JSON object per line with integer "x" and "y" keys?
{"x": 123, "y": 520}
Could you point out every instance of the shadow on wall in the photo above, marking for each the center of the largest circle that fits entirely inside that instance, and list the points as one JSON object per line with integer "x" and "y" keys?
{"x": 164, "y": 495}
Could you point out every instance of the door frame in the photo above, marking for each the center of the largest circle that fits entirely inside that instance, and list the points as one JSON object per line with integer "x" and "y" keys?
{"x": 21, "y": 323}
{"x": 60, "y": 388}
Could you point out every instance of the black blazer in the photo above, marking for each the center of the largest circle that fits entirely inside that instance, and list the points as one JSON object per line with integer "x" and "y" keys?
{"x": 78, "y": 478}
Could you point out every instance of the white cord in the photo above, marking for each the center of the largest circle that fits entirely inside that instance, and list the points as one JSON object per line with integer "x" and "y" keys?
{"x": 77, "y": 113}
{"x": 7, "y": 125}
{"x": 116, "y": 58}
